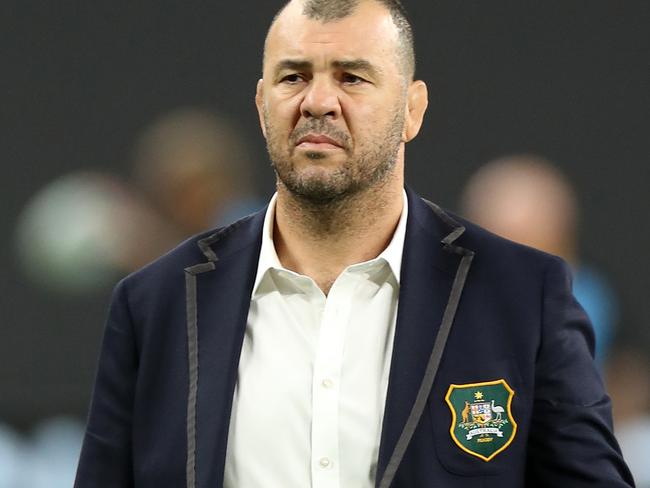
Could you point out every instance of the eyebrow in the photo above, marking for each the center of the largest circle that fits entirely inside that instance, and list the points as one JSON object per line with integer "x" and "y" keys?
{"x": 352, "y": 65}
{"x": 294, "y": 65}
{"x": 357, "y": 65}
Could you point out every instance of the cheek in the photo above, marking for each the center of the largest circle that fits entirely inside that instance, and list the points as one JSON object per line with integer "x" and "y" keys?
{"x": 367, "y": 115}
{"x": 282, "y": 109}
{"x": 366, "y": 126}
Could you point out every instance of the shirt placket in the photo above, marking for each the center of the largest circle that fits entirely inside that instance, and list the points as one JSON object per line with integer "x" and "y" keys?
{"x": 325, "y": 459}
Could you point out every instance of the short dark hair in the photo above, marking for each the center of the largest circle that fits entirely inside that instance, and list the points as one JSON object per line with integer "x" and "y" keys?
{"x": 332, "y": 10}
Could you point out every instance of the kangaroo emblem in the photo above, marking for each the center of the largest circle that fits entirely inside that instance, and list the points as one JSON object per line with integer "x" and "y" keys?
{"x": 465, "y": 413}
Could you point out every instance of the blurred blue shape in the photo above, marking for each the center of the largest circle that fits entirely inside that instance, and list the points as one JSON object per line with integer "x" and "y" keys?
{"x": 11, "y": 457}
{"x": 53, "y": 454}
{"x": 599, "y": 301}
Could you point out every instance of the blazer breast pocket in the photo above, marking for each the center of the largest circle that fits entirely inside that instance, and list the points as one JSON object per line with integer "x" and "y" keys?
{"x": 477, "y": 411}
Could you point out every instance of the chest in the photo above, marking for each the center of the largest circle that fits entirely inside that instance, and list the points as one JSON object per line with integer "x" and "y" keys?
{"x": 312, "y": 381}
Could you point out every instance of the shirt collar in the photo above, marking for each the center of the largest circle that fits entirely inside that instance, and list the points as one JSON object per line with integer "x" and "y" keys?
{"x": 269, "y": 257}
{"x": 393, "y": 252}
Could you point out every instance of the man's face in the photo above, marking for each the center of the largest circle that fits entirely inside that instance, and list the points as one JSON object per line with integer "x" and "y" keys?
{"x": 332, "y": 101}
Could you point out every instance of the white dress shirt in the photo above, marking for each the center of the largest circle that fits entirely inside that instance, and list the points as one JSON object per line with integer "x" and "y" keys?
{"x": 313, "y": 373}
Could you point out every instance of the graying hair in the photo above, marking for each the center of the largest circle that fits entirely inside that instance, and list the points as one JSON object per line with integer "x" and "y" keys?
{"x": 333, "y": 10}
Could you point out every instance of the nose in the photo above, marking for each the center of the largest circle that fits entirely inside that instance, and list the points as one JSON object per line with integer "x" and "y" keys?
{"x": 321, "y": 100}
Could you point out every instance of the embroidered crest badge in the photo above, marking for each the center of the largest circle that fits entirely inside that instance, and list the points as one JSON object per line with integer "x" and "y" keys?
{"x": 481, "y": 418}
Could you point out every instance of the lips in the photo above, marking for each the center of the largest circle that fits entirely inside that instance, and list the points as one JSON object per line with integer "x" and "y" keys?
{"x": 318, "y": 139}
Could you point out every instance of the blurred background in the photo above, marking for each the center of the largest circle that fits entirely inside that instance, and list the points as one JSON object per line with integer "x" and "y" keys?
{"x": 128, "y": 127}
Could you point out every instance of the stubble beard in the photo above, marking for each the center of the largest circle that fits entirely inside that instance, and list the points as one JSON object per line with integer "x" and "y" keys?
{"x": 368, "y": 169}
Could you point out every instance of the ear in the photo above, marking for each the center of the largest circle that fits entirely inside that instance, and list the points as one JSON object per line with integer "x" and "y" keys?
{"x": 259, "y": 103}
{"x": 417, "y": 100}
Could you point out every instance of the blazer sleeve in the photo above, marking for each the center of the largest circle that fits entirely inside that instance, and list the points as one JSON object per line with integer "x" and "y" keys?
{"x": 571, "y": 441}
{"x": 105, "y": 460}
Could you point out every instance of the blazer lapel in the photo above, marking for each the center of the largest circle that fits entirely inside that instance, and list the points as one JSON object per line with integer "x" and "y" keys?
{"x": 433, "y": 276}
{"x": 218, "y": 294}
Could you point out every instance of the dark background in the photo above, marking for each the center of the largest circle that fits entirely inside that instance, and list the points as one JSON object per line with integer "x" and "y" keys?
{"x": 568, "y": 80}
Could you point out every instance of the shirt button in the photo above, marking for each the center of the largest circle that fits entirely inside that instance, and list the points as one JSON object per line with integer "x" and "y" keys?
{"x": 327, "y": 383}
{"x": 325, "y": 462}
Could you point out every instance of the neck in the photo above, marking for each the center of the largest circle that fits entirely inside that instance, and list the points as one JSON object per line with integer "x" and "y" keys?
{"x": 320, "y": 240}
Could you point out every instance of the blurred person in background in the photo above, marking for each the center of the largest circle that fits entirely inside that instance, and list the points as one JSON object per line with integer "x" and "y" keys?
{"x": 526, "y": 198}
{"x": 194, "y": 167}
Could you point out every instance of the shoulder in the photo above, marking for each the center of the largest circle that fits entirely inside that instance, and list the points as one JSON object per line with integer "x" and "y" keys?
{"x": 498, "y": 250}
{"x": 493, "y": 256}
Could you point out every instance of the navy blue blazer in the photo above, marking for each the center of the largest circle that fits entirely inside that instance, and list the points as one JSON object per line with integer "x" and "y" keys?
{"x": 473, "y": 308}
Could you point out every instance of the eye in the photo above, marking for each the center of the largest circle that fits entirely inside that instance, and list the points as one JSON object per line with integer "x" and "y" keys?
{"x": 350, "y": 79}
{"x": 292, "y": 79}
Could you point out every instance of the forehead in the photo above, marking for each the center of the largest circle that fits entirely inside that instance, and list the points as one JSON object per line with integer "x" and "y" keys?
{"x": 368, "y": 32}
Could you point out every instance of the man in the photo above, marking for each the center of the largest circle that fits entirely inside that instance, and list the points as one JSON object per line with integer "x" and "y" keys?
{"x": 526, "y": 199}
{"x": 352, "y": 335}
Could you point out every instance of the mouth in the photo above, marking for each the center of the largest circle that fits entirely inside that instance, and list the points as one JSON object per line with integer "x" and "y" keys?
{"x": 318, "y": 142}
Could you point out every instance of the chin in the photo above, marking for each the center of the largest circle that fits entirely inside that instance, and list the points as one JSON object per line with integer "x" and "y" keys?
{"x": 320, "y": 174}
